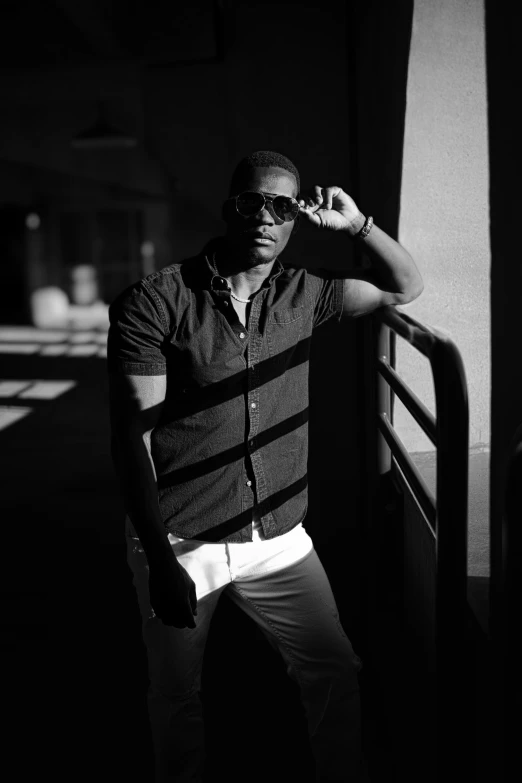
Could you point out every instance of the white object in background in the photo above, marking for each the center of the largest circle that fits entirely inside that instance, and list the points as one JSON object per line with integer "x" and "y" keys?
{"x": 32, "y": 221}
{"x": 95, "y": 316}
{"x": 84, "y": 289}
{"x": 148, "y": 261}
{"x": 49, "y": 308}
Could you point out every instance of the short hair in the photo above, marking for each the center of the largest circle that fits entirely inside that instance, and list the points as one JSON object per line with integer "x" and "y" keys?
{"x": 264, "y": 158}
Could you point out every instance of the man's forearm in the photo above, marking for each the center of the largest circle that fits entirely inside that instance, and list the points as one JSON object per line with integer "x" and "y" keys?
{"x": 135, "y": 468}
{"x": 392, "y": 267}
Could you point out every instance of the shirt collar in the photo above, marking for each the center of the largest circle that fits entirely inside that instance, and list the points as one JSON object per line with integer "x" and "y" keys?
{"x": 219, "y": 283}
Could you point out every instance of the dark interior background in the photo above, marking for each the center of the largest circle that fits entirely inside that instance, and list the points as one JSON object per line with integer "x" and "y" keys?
{"x": 197, "y": 87}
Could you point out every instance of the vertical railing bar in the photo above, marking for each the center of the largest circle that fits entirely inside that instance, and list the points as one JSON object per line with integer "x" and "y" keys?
{"x": 507, "y": 608}
{"x": 383, "y": 399}
{"x": 393, "y": 355}
{"x": 451, "y": 548}
{"x": 452, "y": 435}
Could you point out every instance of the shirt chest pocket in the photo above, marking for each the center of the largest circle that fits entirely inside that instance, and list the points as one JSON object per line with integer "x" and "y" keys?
{"x": 284, "y": 329}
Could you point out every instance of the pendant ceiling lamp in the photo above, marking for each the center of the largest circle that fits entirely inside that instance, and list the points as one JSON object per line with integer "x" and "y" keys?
{"x": 102, "y": 136}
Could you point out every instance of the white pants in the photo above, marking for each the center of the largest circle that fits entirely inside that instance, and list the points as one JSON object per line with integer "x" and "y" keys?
{"x": 281, "y": 584}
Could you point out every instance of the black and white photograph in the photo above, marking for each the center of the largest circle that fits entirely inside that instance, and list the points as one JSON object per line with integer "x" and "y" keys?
{"x": 260, "y": 391}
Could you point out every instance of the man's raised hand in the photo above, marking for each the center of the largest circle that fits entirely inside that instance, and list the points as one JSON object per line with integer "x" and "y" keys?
{"x": 330, "y": 208}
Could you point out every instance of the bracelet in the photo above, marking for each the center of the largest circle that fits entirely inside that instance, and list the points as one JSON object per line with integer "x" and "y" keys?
{"x": 365, "y": 230}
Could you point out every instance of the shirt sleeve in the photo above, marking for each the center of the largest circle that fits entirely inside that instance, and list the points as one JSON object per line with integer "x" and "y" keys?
{"x": 326, "y": 294}
{"x": 137, "y": 333}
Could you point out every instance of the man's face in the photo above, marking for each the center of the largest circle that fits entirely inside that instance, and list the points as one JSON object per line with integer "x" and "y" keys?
{"x": 242, "y": 232}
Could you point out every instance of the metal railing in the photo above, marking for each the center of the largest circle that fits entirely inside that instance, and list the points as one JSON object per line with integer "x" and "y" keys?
{"x": 506, "y": 614}
{"x": 445, "y": 515}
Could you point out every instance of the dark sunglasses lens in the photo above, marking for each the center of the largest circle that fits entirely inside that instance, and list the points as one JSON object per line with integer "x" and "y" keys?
{"x": 249, "y": 203}
{"x": 286, "y": 208}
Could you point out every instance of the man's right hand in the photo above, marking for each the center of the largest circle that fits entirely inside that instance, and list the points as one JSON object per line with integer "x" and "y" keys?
{"x": 173, "y": 595}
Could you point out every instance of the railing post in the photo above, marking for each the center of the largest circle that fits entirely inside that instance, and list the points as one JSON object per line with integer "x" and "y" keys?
{"x": 506, "y": 616}
{"x": 451, "y": 548}
{"x": 370, "y": 445}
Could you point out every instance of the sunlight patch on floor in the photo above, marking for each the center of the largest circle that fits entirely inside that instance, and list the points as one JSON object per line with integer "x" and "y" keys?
{"x": 22, "y": 334}
{"x": 54, "y": 350}
{"x": 27, "y": 340}
{"x": 82, "y": 350}
{"x": 9, "y": 416}
{"x": 12, "y": 388}
{"x": 46, "y": 390}
{"x": 83, "y": 337}
{"x": 29, "y": 389}
{"x": 24, "y": 348}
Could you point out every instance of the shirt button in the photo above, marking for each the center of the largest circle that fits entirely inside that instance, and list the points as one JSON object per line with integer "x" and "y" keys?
{"x": 242, "y": 335}
{"x": 249, "y": 483}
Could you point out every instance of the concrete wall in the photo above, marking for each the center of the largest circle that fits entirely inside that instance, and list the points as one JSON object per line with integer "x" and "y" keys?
{"x": 444, "y": 219}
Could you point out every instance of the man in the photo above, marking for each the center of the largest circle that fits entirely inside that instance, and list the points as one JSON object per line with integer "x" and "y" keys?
{"x": 208, "y": 363}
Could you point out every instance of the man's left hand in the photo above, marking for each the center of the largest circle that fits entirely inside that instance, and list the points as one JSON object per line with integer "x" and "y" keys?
{"x": 331, "y": 208}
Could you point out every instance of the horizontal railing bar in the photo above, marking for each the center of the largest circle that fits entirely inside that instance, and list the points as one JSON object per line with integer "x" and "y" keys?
{"x": 419, "y": 487}
{"x": 416, "y": 407}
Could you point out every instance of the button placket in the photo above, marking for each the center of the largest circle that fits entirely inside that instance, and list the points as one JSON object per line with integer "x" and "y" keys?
{"x": 253, "y": 401}
{"x": 248, "y": 492}
{"x": 254, "y": 354}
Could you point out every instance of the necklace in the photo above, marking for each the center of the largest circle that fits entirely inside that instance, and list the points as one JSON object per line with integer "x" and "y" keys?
{"x": 232, "y": 294}
{"x": 238, "y": 298}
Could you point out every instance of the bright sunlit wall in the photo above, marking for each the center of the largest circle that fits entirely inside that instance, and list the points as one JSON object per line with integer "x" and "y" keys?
{"x": 444, "y": 223}
{"x": 444, "y": 218}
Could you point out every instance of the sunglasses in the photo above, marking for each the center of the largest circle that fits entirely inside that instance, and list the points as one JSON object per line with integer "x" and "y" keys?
{"x": 250, "y": 203}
